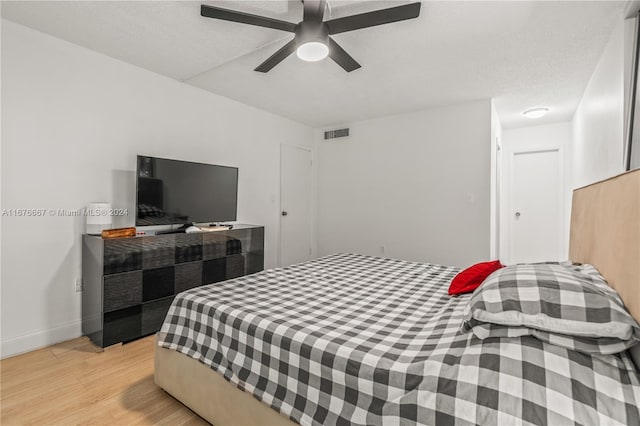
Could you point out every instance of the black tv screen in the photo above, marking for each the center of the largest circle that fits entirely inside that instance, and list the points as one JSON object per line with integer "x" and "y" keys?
{"x": 181, "y": 192}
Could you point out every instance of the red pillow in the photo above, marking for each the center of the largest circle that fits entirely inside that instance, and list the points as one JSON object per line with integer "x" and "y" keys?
{"x": 471, "y": 278}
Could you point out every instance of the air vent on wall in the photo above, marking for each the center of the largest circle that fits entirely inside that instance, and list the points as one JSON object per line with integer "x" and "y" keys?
{"x": 338, "y": 133}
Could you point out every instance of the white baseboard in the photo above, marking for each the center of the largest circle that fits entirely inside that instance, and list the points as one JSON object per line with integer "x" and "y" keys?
{"x": 39, "y": 339}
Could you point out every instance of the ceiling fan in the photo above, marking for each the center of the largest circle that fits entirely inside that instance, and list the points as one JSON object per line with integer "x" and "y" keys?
{"x": 312, "y": 40}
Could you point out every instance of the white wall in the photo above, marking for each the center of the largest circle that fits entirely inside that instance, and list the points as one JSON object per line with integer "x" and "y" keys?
{"x": 534, "y": 138}
{"x": 417, "y": 184}
{"x": 597, "y": 150}
{"x": 73, "y": 122}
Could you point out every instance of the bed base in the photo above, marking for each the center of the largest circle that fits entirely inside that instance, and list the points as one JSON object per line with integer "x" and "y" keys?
{"x": 208, "y": 394}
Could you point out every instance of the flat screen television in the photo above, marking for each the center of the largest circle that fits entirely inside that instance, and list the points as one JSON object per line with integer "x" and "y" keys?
{"x": 170, "y": 192}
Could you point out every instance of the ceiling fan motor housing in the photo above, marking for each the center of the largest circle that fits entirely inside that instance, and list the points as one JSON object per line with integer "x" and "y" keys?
{"x": 311, "y": 31}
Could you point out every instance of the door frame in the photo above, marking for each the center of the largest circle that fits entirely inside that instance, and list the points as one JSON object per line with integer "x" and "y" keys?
{"x": 506, "y": 201}
{"x": 312, "y": 221}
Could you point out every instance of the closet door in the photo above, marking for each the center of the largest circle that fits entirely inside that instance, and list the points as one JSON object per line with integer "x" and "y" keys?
{"x": 535, "y": 210}
{"x": 295, "y": 204}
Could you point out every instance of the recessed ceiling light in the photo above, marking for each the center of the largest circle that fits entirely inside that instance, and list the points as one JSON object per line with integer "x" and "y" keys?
{"x": 312, "y": 51}
{"x": 535, "y": 112}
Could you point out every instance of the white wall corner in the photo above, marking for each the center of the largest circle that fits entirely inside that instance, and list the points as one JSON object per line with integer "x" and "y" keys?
{"x": 597, "y": 147}
{"x": 494, "y": 211}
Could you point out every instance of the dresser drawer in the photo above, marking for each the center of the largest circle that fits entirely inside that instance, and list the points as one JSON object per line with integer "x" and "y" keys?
{"x": 235, "y": 266}
{"x": 188, "y": 275}
{"x": 153, "y": 314}
{"x": 122, "y": 290}
{"x": 158, "y": 283}
{"x": 122, "y": 255}
{"x": 122, "y": 325}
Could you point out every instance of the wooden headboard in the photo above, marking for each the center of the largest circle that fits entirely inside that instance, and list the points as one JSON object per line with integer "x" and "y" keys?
{"x": 605, "y": 232}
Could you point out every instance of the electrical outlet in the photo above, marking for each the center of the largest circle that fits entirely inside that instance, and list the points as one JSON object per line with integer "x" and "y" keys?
{"x": 79, "y": 285}
{"x": 381, "y": 249}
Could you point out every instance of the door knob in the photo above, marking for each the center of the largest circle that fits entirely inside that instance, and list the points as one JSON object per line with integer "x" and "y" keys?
{"x": 517, "y": 214}
{"x": 284, "y": 213}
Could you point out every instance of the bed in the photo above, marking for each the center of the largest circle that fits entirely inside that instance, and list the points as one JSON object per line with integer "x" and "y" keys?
{"x": 352, "y": 339}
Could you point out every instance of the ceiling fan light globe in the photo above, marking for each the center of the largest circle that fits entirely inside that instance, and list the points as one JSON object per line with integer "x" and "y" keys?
{"x": 312, "y": 51}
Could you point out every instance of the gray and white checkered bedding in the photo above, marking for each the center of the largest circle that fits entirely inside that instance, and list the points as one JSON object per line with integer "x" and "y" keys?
{"x": 567, "y": 305}
{"x": 352, "y": 339}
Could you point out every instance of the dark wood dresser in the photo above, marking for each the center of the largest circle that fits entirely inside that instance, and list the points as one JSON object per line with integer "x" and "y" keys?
{"x": 129, "y": 283}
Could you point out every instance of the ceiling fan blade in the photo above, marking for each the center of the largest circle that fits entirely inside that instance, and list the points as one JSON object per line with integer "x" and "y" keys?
{"x": 245, "y": 18}
{"x": 277, "y": 57}
{"x": 371, "y": 19}
{"x": 314, "y": 10}
{"x": 341, "y": 57}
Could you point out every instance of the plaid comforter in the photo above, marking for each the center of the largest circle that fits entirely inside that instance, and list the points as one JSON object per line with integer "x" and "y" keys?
{"x": 363, "y": 340}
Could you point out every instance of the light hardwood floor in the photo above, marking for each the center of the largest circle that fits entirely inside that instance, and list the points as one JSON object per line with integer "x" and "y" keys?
{"x": 71, "y": 383}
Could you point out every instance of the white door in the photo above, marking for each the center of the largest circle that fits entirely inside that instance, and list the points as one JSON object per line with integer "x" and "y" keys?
{"x": 535, "y": 207}
{"x": 295, "y": 205}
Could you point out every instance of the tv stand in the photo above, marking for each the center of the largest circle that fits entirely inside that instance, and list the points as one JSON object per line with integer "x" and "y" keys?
{"x": 129, "y": 283}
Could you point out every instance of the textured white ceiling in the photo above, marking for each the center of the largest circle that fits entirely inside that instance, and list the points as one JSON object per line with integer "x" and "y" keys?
{"x": 522, "y": 54}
